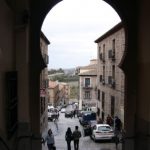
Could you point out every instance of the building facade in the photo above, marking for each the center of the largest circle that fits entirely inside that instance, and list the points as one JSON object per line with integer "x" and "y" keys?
{"x": 64, "y": 93}
{"x": 87, "y": 85}
{"x": 44, "y": 42}
{"x": 58, "y": 93}
{"x": 53, "y": 92}
{"x": 110, "y": 78}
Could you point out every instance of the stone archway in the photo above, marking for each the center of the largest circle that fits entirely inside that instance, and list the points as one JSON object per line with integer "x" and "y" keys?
{"x": 127, "y": 12}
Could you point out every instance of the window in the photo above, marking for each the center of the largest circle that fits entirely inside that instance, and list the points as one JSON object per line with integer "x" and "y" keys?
{"x": 87, "y": 95}
{"x": 103, "y": 52}
{"x": 87, "y": 82}
{"x": 99, "y": 52}
{"x": 98, "y": 96}
{"x": 103, "y": 100}
{"x": 100, "y": 78}
{"x": 112, "y": 105}
{"x": 109, "y": 79}
{"x": 113, "y": 45}
{"x": 104, "y": 71}
{"x": 42, "y": 104}
{"x": 113, "y": 71}
{"x": 113, "y": 49}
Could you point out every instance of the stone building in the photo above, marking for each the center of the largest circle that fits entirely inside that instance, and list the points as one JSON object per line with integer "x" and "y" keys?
{"x": 64, "y": 93}
{"x": 110, "y": 78}
{"x": 21, "y": 63}
{"x": 44, "y": 42}
{"x": 58, "y": 93}
{"x": 53, "y": 91}
{"x": 87, "y": 85}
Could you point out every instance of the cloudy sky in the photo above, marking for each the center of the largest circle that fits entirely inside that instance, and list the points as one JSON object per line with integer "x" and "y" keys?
{"x": 72, "y": 26}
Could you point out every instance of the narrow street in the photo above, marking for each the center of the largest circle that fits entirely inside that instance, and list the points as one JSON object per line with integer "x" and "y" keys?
{"x": 85, "y": 142}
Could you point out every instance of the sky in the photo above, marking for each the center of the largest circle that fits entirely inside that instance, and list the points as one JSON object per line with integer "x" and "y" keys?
{"x": 72, "y": 26}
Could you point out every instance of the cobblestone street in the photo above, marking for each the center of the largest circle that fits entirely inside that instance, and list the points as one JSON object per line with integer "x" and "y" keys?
{"x": 85, "y": 142}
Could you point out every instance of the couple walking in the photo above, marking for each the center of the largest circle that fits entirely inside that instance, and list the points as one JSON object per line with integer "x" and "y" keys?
{"x": 75, "y": 136}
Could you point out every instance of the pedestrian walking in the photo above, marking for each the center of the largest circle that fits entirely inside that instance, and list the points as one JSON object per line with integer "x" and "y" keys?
{"x": 68, "y": 137}
{"x": 56, "y": 123}
{"x": 57, "y": 115}
{"x": 50, "y": 140}
{"x": 76, "y": 137}
{"x": 109, "y": 120}
{"x": 74, "y": 113}
{"x": 117, "y": 124}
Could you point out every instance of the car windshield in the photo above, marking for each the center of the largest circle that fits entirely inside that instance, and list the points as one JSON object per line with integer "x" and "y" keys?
{"x": 104, "y": 128}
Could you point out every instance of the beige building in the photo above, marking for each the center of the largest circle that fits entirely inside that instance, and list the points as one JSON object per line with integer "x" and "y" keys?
{"x": 58, "y": 93}
{"x": 87, "y": 85}
{"x": 53, "y": 92}
{"x": 110, "y": 78}
{"x": 44, "y": 42}
{"x": 64, "y": 93}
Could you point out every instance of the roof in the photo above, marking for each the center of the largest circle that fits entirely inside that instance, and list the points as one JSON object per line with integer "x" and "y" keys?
{"x": 89, "y": 66}
{"x": 45, "y": 38}
{"x": 92, "y": 72}
{"x": 52, "y": 84}
{"x": 110, "y": 32}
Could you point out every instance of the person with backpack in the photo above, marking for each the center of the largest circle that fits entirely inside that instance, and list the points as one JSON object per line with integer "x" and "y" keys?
{"x": 69, "y": 137}
{"x": 76, "y": 137}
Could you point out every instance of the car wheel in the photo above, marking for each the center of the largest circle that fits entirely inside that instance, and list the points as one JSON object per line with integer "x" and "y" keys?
{"x": 94, "y": 139}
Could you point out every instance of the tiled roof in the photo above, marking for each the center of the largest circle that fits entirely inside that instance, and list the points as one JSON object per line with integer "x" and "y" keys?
{"x": 110, "y": 32}
{"x": 52, "y": 84}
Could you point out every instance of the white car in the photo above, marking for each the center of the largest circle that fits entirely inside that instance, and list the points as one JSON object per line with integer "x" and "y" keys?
{"x": 102, "y": 132}
{"x": 63, "y": 110}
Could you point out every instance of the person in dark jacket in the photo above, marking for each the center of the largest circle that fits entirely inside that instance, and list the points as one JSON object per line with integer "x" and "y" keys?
{"x": 68, "y": 137}
{"x": 76, "y": 137}
{"x": 118, "y": 124}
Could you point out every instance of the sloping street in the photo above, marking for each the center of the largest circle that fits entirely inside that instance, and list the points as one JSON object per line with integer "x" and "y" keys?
{"x": 85, "y": 142}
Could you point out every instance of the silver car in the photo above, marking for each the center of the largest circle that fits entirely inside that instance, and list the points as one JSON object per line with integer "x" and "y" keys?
{"x": 102, "y": 132}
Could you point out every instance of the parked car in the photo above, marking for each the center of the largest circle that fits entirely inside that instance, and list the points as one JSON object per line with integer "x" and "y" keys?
{"x": 68, "y": 114}
{"x": 87, "y": 129}
{"x": 63, "y": 110}
{"x": 102, "y": 132}
{"x": 53, "y": 113}
{"x": 92, "y": 123}
{"x": 87, "y": 116}
{"x": 79, "y": 113}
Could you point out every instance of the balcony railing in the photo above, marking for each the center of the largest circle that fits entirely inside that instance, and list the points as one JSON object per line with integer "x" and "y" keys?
{"x": 111, "y": 55}
{"x": 87, "y": 87}
{"x": 102, "y": 58}
{"x": 46, "y": 58}
{"x": 111, "y": 81}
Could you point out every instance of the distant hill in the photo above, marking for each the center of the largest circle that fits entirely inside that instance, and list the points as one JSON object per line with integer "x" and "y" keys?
{"x": 70, "y": 71}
